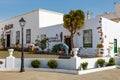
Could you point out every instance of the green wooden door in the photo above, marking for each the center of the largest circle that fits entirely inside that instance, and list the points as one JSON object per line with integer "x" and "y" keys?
{"x": 115, "y": 45}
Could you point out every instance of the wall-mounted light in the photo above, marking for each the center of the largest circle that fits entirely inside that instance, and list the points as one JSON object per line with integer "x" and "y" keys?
{"x": 78, "y": 33}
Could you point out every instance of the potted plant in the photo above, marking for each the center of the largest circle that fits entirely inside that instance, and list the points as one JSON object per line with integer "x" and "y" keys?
{"x": 111, "y": 62}
{"x": 99, "y": 50}
{"x": 17, "y": 45}
{"x": 100, "y": 62}
{"x": 84, "y": 65}
{"x": 100, "y": 46}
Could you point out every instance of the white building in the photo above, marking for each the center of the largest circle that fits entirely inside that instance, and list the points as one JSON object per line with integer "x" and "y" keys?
{"x": 95, "y": 31}
{"x": 42, "y": 23}
{"x": 34, "y": 21}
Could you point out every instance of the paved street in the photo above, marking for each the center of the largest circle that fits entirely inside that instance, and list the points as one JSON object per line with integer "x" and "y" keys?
{"x": 40, "y": 75}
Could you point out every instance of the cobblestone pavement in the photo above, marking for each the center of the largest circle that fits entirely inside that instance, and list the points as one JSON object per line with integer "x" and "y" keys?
{"x": 113, "y": 74}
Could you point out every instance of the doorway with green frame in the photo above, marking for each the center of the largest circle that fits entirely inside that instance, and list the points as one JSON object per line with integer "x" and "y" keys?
{"x": 115, "y": 46}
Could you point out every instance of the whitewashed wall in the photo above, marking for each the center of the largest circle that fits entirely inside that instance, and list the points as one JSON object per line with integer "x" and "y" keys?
{"x": 78, "y": 40}
{"x": 49, "y": 18}
{"x": 69, "y": 64}
{"x": 35, "y": 20}
{"x": 32, "y": 22}
{"x": 51, "y": 31}
{"x": 112, "y": 31}
{"x": 2, "y": 65}
{"x": 117, "y": 61}
{"x": 92, "y": 61}
{"x": 62, "y": 63}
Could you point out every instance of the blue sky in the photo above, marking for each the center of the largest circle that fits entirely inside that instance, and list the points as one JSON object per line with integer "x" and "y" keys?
{"x": 10, "y": 8}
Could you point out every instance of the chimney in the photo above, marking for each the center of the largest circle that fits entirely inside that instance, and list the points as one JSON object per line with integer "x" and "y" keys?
{"x": 88, "y": 15}
{"x": 117, "y": 7}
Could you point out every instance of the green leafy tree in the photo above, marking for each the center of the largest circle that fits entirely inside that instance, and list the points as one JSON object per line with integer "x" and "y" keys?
{"x": 2, "y": 40}
{"x": 73, "y": 22}
{"x": 37, "y": 42}
{"x": 42, "y": 43}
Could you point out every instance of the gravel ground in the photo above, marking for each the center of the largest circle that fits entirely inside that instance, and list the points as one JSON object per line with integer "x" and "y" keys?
{"x": 113, "y": 74}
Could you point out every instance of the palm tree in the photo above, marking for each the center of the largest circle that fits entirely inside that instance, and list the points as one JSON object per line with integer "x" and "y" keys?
{"x": 73, "y": 22}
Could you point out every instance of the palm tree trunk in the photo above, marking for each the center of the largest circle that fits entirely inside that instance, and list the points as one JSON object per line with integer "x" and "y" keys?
{"x": 72, "y": 43}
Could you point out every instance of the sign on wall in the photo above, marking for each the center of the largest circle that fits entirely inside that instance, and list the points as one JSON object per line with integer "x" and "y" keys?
{"x": 53, "y": 39}
{"x": 7, "y": 27}
{"x": 87, "y": 38}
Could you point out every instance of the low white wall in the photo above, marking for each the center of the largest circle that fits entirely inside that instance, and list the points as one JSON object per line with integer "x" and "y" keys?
{"x": 69, "y": 64}
{"x": 2, "y": 65}
{"x": 62, "y": 63}
{"x": 117, "y": 60}
{"x": 92, "y": 61}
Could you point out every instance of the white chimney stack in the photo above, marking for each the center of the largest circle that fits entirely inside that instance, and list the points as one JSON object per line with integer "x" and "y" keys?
{"x": 88, "y": 15}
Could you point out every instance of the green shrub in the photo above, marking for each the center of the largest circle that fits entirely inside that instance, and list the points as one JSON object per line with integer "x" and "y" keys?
{"x": 35, "y": 63}
{"x": 111, "y": 62}
{"x": 100, "y": 62}
{"x": 52, "y": 64}
{"x": 84, "y": 65}
{"x": 56, "y": 48}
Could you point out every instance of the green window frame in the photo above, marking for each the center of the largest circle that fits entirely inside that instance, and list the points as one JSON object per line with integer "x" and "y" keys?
{"x": 87, "y": 38}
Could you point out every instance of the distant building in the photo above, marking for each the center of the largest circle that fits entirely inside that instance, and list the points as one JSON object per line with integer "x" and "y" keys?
{"x": 114, "y": 16}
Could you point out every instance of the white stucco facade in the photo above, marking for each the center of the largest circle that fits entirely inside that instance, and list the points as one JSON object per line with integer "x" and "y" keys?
{"x": 32, "y": 22}
{"x": 110, "y": 31}
{"x": 35, "y": 20}
{"x": 49, "y": 18}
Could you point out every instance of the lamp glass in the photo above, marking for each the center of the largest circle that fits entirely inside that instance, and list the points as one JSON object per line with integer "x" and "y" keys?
{"x": 22, "y": 22}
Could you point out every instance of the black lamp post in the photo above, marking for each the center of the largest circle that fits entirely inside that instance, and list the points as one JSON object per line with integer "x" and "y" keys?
{"x": 22, "y": 24}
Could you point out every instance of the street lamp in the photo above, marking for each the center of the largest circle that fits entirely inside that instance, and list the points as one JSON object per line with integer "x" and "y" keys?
{"x": 22, "y": 24}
